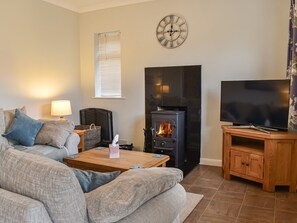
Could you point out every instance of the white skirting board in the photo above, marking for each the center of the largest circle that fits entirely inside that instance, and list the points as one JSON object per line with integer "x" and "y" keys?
{"x": 210, "y": 162}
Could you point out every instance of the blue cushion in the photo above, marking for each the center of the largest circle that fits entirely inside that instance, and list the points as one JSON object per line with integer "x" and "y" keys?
{"x": 23, "y": 129}
{"x": 90, "y": 180}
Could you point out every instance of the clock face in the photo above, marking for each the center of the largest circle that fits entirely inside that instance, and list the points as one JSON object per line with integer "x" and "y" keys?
{"x": 172, "y": 31}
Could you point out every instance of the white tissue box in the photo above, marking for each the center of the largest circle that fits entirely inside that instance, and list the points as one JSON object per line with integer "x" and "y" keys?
{"x": 114, "y": 151}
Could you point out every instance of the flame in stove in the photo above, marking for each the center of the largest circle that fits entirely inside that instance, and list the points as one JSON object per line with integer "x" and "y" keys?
{"x": 165, "y": 130}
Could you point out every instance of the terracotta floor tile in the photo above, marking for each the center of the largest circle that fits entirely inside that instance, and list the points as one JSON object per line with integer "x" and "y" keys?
{"x": 286, "y": 205}
{"x": 259, "y": 201}
{"x": 285, "y": 217}
{"x": 256, "y": 214}
{"x": 241, "y": 220}
{"x": 221, "y": 208}
{"x": 286, "y": 195}
{"x": 208, "y": 183}
{"x": 215, "y": 219}
{"x": 256, "y": 189}
{"x": 231, "y": 197}
{"x": 233, "y": 186}
{"x": 213, "y": 173}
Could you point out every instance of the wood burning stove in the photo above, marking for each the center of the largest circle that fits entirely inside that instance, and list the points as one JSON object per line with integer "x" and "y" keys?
{"x": 168, "y": 134}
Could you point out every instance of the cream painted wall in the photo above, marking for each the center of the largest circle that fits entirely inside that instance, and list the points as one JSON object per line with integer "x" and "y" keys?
{"x": 39, "y": 56}
{"x": 231, "y": 39}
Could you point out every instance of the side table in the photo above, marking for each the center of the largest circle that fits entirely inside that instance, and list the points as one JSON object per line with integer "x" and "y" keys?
{"x": 81, "y": 145}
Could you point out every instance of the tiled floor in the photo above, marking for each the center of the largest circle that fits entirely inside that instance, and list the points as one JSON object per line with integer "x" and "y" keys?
{"x": 237, "y": 200}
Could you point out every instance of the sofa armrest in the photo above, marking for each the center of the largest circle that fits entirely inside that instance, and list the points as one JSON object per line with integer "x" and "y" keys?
{"x": 16, "y": 208}
{"x": 72, "y": 143}
{"x": 122, "y": 196}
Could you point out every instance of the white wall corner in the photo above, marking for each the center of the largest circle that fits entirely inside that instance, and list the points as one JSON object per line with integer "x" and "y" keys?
{"x": 210, "y": 162}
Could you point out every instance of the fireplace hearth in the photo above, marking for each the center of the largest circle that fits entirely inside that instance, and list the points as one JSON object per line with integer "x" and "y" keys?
{"x": 174, "y": 89}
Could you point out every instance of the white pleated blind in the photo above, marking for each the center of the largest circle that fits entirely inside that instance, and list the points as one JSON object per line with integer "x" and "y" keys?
{"x": 108, "y": 64}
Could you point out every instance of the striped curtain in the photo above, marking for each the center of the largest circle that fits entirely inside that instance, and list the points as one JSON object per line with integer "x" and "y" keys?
{"x": 292, "y": 66}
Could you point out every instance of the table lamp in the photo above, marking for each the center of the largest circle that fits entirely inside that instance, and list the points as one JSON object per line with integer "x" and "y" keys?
{"x": 61, "y": 108}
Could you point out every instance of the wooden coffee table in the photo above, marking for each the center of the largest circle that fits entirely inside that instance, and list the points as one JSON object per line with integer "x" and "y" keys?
{"x": 98, "y": 160}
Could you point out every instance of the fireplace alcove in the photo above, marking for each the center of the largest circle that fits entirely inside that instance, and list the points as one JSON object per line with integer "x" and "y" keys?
{"x": 176, "y": 88}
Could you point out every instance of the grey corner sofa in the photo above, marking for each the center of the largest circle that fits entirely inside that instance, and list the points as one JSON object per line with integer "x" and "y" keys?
{"x": 55, "y": 140}
{"x": 36, "y": 189}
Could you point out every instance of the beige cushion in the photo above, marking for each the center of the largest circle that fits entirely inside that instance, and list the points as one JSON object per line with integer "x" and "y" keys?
{"x": 45, "y": 180}
{"x": 9, "y": 116}
{"x": 122, "y": 196}
{"x": 54, "y": 133}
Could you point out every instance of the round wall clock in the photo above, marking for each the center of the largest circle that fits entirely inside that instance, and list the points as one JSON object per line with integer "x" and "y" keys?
{"x": 172, "y": 31}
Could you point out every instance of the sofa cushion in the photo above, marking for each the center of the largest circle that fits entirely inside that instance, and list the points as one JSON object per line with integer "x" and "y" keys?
{"x": 9, "y": 116}
{"x": 90, "y": 180}
{"x": 54, "y": 133}
{"x": 44, "y": 150}
{"x": 122, "y": 196}
{"x": 45, "y": 180}
{"x": 23, "y": 129}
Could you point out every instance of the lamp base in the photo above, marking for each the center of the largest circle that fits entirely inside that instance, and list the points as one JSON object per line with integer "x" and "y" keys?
{"x": 62, "y": 119}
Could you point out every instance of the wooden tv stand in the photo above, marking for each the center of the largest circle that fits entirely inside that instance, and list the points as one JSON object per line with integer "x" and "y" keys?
{"x": 267, "y": 158}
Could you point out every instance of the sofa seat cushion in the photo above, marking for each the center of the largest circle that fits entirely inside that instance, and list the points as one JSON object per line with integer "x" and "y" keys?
{"x": 55, "y": 133}
{"x": 16, "y": 208}
{"x": 122, "y": 196}
{"x": 48, "y": 181}
{"x": 44, "y": 150}
{"x": 23, "y": 129}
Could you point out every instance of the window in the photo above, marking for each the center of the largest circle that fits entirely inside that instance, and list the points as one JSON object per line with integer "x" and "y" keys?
{"x": 108, "y": 65}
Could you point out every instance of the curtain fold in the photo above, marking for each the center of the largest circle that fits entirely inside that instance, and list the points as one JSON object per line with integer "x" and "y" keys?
{"x": 292, "y": 67}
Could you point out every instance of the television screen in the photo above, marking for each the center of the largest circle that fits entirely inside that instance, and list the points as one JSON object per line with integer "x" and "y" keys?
{"x": 263, "y": 103}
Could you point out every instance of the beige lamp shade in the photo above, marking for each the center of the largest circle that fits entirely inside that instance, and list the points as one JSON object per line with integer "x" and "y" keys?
{"x": 61, "y": 108}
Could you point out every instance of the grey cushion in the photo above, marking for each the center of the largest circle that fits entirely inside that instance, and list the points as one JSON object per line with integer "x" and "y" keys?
{"x": 23, "y": 129}
{"x": 90, "y": 180}
{"x": 54, "y": 133}
{"x": 9, "y": 116}
{"x": 122, "y": 196}
{"x": 45, "y": 180}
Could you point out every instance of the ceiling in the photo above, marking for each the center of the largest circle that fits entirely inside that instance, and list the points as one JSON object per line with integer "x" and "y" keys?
{"x": 91, "y": 5}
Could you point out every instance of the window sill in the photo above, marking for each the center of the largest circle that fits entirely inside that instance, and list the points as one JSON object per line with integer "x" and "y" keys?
{"x": 121, "y": 98}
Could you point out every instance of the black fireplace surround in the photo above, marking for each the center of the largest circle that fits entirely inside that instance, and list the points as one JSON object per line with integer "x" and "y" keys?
{"x": 176, "y": 88}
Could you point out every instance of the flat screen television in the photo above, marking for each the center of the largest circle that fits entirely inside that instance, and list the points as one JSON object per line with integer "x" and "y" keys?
{"x": 260, "y": 103}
